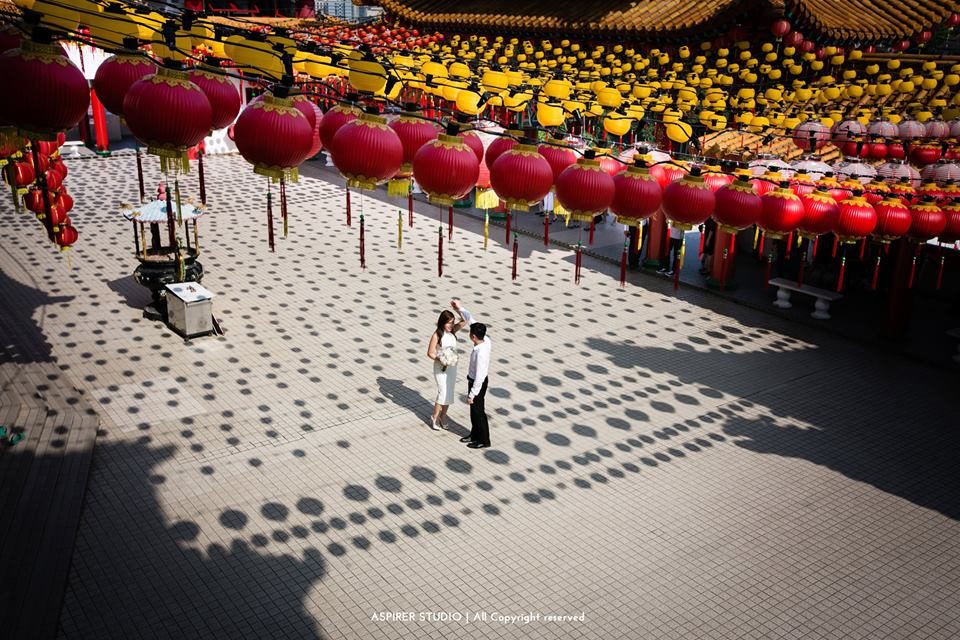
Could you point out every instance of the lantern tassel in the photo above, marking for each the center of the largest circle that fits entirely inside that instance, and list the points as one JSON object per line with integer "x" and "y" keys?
{"x": 440, "y": 251}
{"x": 143, "y": 193}
{"x": 363, "y": 248}
{"x": 203, "y": 184}
{"x": 679, "y": 263}
{"x": 450, "y": 223}
{"x": 940, "y": 271}
{"x": 486, "y": 229}
{"x": 843, "y": 269}
{"x": 623, "y": 264}
{"x": 349, "y": 223}
{"x": 703, "y": 236}
{"x": 590, "y": 237}
{"x": 399, "y": 229}
{"x": 639, "y": 237}
{"x": 836, "y": 244}
{"x": 410, "y": 207}
{"x": 546, "y": 229}
{"x": 789, "y": 245}
{"x": 516, "y": 251}
{"x": 577, "y": 261}
{"x": 270, "y": 219}
{"x": 876, "y": 274}
{"x": 913, "y": 271}
{"x": 508, "y": 228}
{"x": 283, "y": 205}
{"x": 863, "y": 248}
{"x": 816, "y": 241}
{"x": 756, "y": 236}
{"x": 763, "y": 240}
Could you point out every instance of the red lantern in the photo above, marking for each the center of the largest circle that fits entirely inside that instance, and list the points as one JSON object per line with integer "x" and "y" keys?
{"x": 780, "y": 28}
{"x": 793, "y": 39}
{"x": 413, "y": 133}
{"x": 895, "y": 151}
{"x": 64, "y": 201}
{"x": 51, "y": 93}
{"x": 928, "y": 221}
{"x": 446, "y": 169}
{"x": 857, "y": 219}
{"x": 66, "y": 237}
{"x": 609, "y": 164}
{"x": 33, "y": 200}
{"x": 334, "y": 119}
{"x": 186, "y": 114}
{"x": 874, "y": 191}
{"x": 637, "y": 195}
{"x": 925, "y": 153}
{"x": 904, "y": 190}
{"x": 669, "y": 172}
{"x": 923, "y": 37}
{"x": 59, "y": 166}
{"x": 893, "y": 219}
{"x": 261, "y": 125}
{"x": 116, "y": 75}
{"x": 19, "y": 174}
{"x": 930, "y": 189}
{"x": 738, "y": 206}
{"x": 766, "y": 183}
{"x": 521, "y": 177}
{"x": 952, "y": 21}
{"x": 781, "y": 212}
{"x": 53, "y": 180}
{"x": 472, "y": 140}
{"x": 559, "y": 155}
{"x": 715, "y": 180}
{"x": 500, "y": 145}
{"x": 688, "y": 201}
{"x": 222, "y": 94}
{"x": 820, "y": 212}
{"x": 584, "y": 189}
{"x": 833, "y": 187}
{"x": 801, "y": 183}
{"x": 366, "y": 151}
{"x": 951, "y": 232}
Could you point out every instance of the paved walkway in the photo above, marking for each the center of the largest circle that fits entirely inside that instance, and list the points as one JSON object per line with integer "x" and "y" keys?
{"x": 665, "y": 465}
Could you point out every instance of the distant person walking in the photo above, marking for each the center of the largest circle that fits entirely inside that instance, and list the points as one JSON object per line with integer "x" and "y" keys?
{"x": 477, "y": 379}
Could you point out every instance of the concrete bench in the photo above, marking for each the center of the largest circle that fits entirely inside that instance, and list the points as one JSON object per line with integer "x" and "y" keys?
{"x": 821, "y": 306}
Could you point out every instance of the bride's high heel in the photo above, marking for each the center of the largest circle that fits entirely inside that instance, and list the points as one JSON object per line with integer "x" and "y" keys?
{"x": 434, "y": 425}
{"x": 443, "y": 425}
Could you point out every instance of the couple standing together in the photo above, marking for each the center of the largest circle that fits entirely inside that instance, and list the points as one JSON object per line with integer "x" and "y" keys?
{"x": 443, "y": 351}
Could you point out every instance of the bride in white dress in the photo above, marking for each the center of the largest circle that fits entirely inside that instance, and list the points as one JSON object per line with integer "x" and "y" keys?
{"x": 444, "y": 338}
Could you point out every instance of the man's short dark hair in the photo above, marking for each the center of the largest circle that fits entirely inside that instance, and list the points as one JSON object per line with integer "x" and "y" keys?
{"x": 479, "y": 330}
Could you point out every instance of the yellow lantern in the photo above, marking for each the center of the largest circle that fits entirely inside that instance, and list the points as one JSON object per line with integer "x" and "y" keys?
{"x": 854, "y": 92}
{"x": 789, "y": 51}
{"x": 951, "y": 79}
{"x": 836, "y": 60}
{"x": 929, "y": 84}
{"x": 468, "y": 101}
{"x": 557, "y": 88}
{"x": 494, "y": 81}
{"x": 609, "y": 98}
{"x": 849, "y": 74}
{"x": 367, "y": 75}
{"x": 549, "y": 114}
{"x": 906, "y": 86}
{"x": 893, "y": 64}
{"x": 758, "y": 124}
{"x": 617, "y": 124}
{"x": 679, "y": 132}
{"x": 929, "y": 65}
{"x": 816, "y": 65}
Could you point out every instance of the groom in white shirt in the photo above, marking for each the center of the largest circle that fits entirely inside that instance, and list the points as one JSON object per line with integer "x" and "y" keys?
{"x": 479, "y": 437}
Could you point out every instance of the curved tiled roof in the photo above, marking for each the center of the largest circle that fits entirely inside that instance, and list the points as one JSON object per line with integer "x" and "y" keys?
{"x": 860, "y": 19}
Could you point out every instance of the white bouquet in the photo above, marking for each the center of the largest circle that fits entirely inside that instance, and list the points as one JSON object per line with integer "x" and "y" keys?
{"x": 447, "y": 357}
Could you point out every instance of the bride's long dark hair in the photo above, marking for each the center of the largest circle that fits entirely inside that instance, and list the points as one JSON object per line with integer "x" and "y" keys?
{"x": 445, "y": 317}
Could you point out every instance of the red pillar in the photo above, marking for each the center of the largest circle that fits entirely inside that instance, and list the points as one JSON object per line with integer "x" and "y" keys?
{"x": 99, "y": 122}
{"x": 717, "y": 274}
{"x": 656, "y": 233}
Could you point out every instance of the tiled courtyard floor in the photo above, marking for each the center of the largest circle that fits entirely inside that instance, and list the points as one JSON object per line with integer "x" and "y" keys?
{"x": 668, "y": 465}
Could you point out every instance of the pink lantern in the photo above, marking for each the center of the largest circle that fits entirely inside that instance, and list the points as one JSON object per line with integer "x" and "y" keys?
{"x": 910, "y": 129}
{"x": 883, "y": 129}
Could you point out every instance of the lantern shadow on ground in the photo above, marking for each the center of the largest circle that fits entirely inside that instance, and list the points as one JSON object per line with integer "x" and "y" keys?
{"x": 911, "y": 454}
{"x": 24, "y": 337}
{"x": 219, "y": 591}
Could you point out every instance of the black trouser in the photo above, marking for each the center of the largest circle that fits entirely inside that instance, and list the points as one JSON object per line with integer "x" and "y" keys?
{"x": 673, "y": 253}
{"x": 479, "y": 428}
